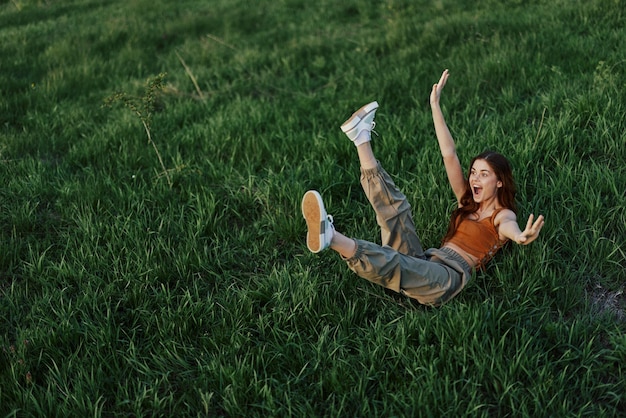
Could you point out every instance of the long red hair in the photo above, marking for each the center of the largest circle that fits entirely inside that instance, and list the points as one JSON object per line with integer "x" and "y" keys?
{"x": 506, "y": 194}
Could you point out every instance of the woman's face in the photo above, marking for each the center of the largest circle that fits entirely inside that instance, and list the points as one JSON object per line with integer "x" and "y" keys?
{"x": 483, "y": 182}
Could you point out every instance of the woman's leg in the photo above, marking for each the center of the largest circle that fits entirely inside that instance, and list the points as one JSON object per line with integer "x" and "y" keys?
{"x": 346, "y": 247}
{"x": 366, "y": 156}
{"x": 425, "y": 280}
{"x": 428, "y": 282}
{"x": 393, "y": 212}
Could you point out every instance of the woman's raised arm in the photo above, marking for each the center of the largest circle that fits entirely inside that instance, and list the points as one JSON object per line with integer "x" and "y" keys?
{"x": 446, "y": 142}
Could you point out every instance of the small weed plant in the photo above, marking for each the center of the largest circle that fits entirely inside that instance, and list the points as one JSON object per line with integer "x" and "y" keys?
{"x": 143, "y": 108}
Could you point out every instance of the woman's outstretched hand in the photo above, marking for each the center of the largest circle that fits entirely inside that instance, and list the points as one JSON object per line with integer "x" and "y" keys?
{"x": 435, "y": 94}
{"x": 531, "y": 232}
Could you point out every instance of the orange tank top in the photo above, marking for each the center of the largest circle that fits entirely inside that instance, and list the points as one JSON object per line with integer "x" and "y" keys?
{"x": 479, "y": 239}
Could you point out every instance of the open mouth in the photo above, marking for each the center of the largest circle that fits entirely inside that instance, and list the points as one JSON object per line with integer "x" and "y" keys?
{"x": 477, "y": 190}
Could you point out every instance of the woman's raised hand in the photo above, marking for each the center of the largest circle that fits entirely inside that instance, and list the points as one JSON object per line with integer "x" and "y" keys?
{"x": 435, "y": 94}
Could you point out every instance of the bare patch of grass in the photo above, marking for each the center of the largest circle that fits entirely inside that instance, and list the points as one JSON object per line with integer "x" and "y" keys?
{"x": 605, "y": 301}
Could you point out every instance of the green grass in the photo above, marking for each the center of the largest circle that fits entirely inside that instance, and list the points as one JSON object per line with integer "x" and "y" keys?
{"x": 121, "y": 295}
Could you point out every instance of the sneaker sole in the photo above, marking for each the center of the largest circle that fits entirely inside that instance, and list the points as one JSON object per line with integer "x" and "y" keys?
{"x": 358, "y": 116}
{"x": 313, "y": 212}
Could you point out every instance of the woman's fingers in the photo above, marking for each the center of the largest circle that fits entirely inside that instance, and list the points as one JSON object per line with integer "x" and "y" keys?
{"x": 443, "y": 79}
{"x": 532, "y": 227}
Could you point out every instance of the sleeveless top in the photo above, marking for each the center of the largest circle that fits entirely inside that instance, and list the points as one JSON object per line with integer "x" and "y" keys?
{"x": 478, "y": 238}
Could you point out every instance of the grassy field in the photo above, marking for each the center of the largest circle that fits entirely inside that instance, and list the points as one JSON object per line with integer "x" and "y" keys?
{"x": 133, "y": 286}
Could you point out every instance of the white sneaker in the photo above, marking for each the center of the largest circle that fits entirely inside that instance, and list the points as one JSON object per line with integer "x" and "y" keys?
{"x": 319, "y": 224}
{"x": 361, "y": 120}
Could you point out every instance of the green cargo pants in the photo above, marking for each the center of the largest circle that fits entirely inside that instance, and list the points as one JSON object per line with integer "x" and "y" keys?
{"x": 432, "y": 277}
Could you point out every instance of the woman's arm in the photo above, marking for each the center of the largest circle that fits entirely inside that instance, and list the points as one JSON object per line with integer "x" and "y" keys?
{"x": 446, "y": 142}
{"x": 509, "y": 229}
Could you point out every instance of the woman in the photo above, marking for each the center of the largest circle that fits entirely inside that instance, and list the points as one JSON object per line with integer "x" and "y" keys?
{"x": 483, "y": 222}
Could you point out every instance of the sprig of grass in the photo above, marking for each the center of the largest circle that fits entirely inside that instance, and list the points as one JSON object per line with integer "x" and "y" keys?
{"x": 143, "y": 108}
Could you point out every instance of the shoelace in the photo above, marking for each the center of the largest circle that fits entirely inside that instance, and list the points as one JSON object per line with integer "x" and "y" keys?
{"x": 372, "y": 129}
